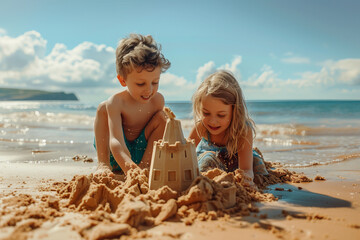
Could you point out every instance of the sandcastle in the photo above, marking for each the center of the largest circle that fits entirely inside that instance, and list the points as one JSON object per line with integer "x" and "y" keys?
{"x": 174, "y": 161}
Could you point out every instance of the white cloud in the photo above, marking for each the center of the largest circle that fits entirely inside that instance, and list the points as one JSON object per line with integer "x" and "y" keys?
{"x": 346, "y": 71}
{"x": 269, "y": 84}
{"x": 18, "y": 53}
{"x": 204, "y": 71}
{"x": 291, "y": 58}
{"x": 333, "y": 73}
{"x": 85, "y": 64}
{"x": 178, "y": 88}
{"x": 168, "y": 79}
{"x": 296, "y": 60}
{"x": 23, "y": 63}
{"x": 266, "y": 79}
{"x": 2, "y": 32}
{"x": 233, "y": 67}
{"x": 209, "y": 68}
{"x": 90, "y": 68}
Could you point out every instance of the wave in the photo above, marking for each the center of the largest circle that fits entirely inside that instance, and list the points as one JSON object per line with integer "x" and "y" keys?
{"x": 15, "y": 105}
{"x": 285, "y": 142}
{"x": 302, "y": 130}
{"x": 315, "y": 146}
{"x": 334, "y": 160}
{"x": 264, "y": 131}
{"x": 47, "y": 106}
{"x": 81, "y": 107}
{"x": 39, "y": 118}
{"x": 42, "y": 142}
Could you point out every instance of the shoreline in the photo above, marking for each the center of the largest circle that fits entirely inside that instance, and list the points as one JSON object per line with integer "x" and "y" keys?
{"x": 327, "y": 209}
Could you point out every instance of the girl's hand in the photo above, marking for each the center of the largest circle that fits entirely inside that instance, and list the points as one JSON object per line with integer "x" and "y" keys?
{"x": 249, "y": 179}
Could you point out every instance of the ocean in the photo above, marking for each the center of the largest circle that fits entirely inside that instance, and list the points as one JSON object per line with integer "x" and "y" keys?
{"x": 293, "y": 133}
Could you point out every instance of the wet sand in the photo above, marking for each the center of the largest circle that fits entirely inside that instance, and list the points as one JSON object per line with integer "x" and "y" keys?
{"x": 45, "y": 201}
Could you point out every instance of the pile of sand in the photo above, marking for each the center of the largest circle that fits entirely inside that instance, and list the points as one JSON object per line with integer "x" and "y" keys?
{"x": 110, "y": 207}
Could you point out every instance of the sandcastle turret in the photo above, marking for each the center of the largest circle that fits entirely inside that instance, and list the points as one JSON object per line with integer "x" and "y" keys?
{"x": 174, "y": 161}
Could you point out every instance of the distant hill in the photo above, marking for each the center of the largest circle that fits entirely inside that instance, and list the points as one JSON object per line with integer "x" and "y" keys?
{"x": 12, "y": 94}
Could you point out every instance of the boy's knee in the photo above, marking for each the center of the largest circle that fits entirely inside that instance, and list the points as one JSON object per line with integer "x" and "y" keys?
{"x": 156, "y": 125}
{"x": 160, "y": 118}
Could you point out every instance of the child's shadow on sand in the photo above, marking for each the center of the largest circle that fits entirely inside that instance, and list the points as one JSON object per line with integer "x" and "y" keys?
{"x": 292, "y": 195}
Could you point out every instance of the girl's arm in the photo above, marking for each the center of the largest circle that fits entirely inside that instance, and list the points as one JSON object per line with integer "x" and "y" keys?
{"x": 245, "y": 155}
{"x": 194, "y": 134}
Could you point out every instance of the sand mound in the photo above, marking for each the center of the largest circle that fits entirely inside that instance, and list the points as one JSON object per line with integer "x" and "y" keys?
{"x": 132, "y": 202}
{"x": 125, "y": 205}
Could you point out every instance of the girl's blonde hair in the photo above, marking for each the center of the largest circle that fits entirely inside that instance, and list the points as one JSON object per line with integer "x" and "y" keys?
{"x": 224, "y": 86}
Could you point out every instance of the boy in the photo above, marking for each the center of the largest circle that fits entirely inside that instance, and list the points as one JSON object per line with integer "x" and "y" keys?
{"x": 130, "y": 121}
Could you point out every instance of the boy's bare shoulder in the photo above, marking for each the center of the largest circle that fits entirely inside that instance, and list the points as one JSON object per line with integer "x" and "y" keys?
{"x": 158, "y": 100}
{"x": 117, "y": 100}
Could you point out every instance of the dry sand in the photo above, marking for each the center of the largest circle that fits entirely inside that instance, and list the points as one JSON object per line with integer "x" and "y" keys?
{"x": 50, "y": 201}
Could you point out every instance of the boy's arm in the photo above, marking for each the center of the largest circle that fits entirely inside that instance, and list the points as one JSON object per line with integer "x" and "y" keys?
{"x": 117, "y": 142}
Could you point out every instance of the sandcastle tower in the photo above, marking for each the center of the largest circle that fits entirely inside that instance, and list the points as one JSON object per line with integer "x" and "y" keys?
{"x": 174, "y": 161}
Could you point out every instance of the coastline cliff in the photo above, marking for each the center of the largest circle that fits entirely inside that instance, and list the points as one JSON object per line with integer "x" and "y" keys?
{"x": 13, "y": 94}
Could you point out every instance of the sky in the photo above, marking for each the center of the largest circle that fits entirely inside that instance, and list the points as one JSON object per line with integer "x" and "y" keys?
{"x": 278, "y": 49}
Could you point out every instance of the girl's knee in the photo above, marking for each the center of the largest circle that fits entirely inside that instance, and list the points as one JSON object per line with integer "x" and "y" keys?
{"x": 259, "y": 166}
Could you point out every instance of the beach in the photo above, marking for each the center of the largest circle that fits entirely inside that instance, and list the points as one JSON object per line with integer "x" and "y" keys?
{"x": 38, "y": 161}
{"x": 320, "y": 209}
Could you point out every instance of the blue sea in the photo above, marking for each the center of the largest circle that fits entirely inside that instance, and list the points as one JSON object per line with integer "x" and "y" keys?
{"x": 293, "y": 133}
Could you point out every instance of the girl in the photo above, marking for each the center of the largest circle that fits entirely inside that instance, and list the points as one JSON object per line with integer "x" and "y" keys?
{"x": 223, "y": 130}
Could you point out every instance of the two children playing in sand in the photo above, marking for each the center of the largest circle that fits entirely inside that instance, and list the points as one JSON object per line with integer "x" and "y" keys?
{"x": 129, "y": 122}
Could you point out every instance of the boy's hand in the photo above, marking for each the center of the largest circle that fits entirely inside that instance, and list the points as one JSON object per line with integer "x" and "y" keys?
{"x": 103, "y": 170}
{"x": 130, "y": 165}
{"x": 143, "y": 165}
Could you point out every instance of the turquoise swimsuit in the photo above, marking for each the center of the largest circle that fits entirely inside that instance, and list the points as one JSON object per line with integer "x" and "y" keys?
{"x": 211, "y": 156}
{"x": 136, "y": 149}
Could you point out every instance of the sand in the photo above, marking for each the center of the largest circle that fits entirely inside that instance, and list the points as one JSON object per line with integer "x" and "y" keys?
{"x": 53, "y": 201}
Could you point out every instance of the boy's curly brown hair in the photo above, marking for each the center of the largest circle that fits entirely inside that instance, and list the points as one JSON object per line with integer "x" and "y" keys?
{"x": 139, "y": 52}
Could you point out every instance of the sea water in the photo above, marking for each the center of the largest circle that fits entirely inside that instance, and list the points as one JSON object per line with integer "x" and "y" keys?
{"x": 293, "y": 133}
